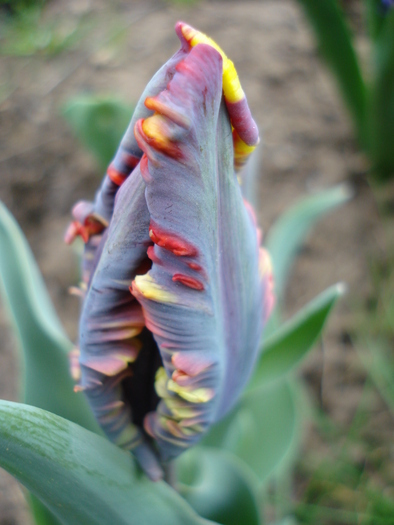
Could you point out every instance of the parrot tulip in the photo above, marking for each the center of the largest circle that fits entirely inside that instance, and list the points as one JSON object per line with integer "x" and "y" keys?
{"x": 175, "y": 287}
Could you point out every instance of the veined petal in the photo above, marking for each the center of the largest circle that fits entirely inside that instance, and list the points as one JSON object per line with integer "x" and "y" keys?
{"x": 245, "y": 131}
{"x": 203, "y": 297}
{"x": 179, "y": 232}
{"x": 128, "y": 154}
{"x": 112, "y": 327}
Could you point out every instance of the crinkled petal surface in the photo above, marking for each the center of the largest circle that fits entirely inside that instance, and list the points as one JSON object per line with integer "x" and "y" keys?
{"x": 174, "y": 302}
{"x": 202, "y": 298}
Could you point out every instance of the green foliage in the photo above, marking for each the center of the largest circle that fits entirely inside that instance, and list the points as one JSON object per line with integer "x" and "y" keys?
{"x": 218, "y": 486}
{"x": 370, "y": 103}
{"x": 288, "y": 234}
{"x": 264, "y": 429}
{"x": 336, "y": 47}
{"x": 287, "y": 346}
{"x": 28, "y": 32}
{"x": 345, "y": 486}
{"x": 381, "y": 105}
{"x": 19, "y": 6}
{"x": 42, "y": 516}
{"x": 81, "y": 477}
{"x": 99, "y": 123}
{"x": 375, "y": 17}
{"x": 47, "y": 382}
{"x": 261, "y": 429}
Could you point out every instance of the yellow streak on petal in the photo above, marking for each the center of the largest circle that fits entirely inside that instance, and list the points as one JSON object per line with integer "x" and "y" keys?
{"x": 156, "y": 128}
{"x": 178, "y": 410}
{"x": 199, "y": 395}
{"x": 75, "y": 368}
{"x": 150, "y": 289}
{"x": 129, "y": 438}
{"x": 232, "y": 88}
{"x": 265, "y": 263}
{"x": 161, "y": 381}
{"x": 241, "y": 152}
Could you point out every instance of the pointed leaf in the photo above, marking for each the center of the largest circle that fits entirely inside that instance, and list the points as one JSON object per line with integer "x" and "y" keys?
{"x": 286, "y": 347}
{"x": 289, "y": 233}
{"x": 218, "y": 486}
{"x": 375, "y": 14}
{"x": 381, "y": 109}
{"x": 335, "y": 44}
{"x": 47, "y": 381}
{"x": 262, "y": 429}
{"x": 81, "y": 477}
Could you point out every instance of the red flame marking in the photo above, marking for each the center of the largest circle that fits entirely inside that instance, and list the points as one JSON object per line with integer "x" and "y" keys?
{"x": 115, "y": 175}
{"x": 191, "y": 282}
{"x": 171, "y": 242}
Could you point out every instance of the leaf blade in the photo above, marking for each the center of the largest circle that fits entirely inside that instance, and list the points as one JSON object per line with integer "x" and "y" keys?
{"x": 218, "y": 486}
{"x": 381, "y": 110}
{"x": 286, "y": 347}
{"x": 262, "y": 429}
{"x": 335, "y": 43}
{"x": 288, "y": 234}
{"x": 48, "y": 383}
{"x": 57, "y": 461}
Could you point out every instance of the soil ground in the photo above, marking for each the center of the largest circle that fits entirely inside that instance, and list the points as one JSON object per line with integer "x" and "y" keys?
{"x": 307, "y": 145}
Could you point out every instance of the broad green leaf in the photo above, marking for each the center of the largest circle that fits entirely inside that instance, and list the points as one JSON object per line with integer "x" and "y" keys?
{"x": 82, "y": 478}
{"x": 288, "y": 234}
{"x": 381, "y": 111}
{"x": 336, "y": 46}
{"x": 99, "y": 123}
{"x": 218, "y": 486}
{"x": 47, "y": 382}
{"x": 284, "y": 349}
{"x": 261, "y": 429}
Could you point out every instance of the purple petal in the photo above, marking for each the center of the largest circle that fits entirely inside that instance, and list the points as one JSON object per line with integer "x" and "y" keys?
{"x": 111, "y": 319}
{"x": 203, "y": 297}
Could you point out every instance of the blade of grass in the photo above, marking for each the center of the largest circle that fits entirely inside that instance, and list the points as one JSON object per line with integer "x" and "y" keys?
{"x": 284, "y": 349}
{"x": 289, "y": 233}
{"x": 375, "y": 16}
{"x": 336, "y": 46}
{"x": 381, "y": 110}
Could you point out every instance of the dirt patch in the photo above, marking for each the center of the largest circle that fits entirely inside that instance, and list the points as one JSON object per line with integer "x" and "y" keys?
{"x": 307, "y": 145}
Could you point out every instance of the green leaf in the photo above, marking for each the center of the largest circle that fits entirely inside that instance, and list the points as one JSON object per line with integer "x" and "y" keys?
{"x": 42, "y": 516}
{"x": 262, "y": 428}
{"x": 289, "y": 520}
{"x": 47, "y": 380}
{"x": 218, "y": 486}
{"x": 336, "y": 46}
{"x": 99, "y": 123}
{"x": 81, "y": 477}
{"x": 284, "y": 349}
{"x": 381, "y": 111}
{"x": 376, "y": 356}
{"x": 288, "y": 234}
{"x": 375, "y": 16}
